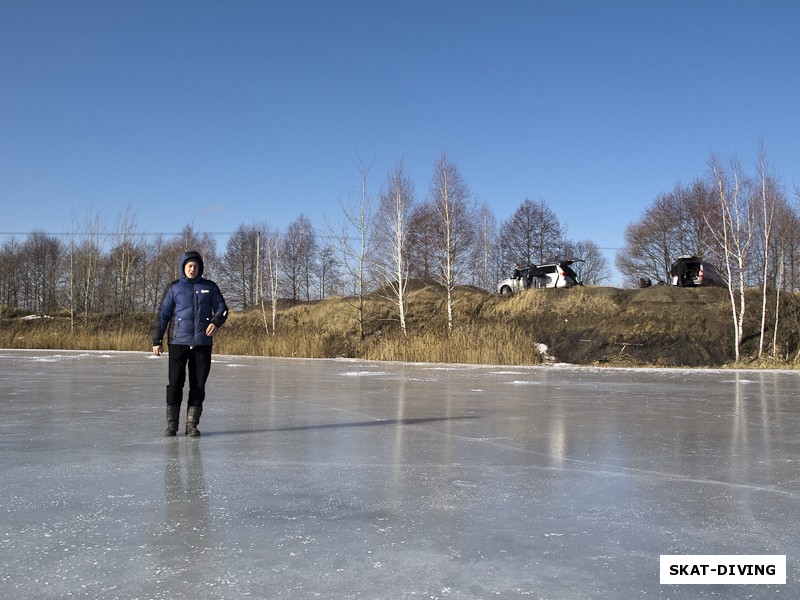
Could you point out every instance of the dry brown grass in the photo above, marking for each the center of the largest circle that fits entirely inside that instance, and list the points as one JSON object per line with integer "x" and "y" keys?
{"x": 468, "y": 345}
{"x": 329, "y": 329}
{"x": 100, "y": 332}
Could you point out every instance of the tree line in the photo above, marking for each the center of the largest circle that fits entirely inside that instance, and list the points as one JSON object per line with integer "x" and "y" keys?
{"x": 740, "y": 220}
{"x": 444, "y": 236}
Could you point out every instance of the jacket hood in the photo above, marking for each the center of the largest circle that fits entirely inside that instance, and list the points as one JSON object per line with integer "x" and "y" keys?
{"x": 186, "y": 257}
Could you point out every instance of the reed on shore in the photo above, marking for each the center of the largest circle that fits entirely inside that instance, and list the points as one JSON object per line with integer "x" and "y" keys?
{"x": 322, "y": 329}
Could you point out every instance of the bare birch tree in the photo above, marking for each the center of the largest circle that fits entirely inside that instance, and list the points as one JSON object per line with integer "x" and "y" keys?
{"x": 482, "y": 258}
{"x": 267, "y": 250}
{"x": 352, "y": 237}
{"x": 89, "y": 259}
{"x": 733, "y": 236}
{"x": 778, "y": 285}
{"x": 71, "y": 272}
{"x": 391, "y": 233}
{"x": 767, "y": 215}
{"x": 273, "y": 246}
{"x": 260, "y": 279}
{"x": 454, "y": 226}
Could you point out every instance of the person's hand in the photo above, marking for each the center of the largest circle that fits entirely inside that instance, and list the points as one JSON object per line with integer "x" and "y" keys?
{"x": 157, "y": 350}
{"x": 211, "y": 330}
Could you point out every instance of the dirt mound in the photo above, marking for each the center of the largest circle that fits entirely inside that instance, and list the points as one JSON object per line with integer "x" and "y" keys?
{"x": 663, "y": 294}
{"x": 656, "y": 326}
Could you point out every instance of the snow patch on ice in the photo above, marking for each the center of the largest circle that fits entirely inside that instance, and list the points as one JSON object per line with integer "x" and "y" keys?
{"x": 464, "y": 484}
{"x": 60, "y": 357}
{"x": 362, "y": 373}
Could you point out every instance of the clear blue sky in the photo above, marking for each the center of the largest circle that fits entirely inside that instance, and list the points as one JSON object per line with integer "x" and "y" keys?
{"x": 223, "y": 113}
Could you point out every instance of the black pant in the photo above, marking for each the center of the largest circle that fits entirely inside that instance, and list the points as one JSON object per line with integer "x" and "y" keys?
{"x": 198, "y": 359}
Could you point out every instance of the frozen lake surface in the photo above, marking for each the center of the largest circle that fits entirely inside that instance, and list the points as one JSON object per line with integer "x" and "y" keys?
{"x": 352, "y": 479}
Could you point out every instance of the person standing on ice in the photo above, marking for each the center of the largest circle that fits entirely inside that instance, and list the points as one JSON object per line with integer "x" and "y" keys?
{"x": 197, "y": 310}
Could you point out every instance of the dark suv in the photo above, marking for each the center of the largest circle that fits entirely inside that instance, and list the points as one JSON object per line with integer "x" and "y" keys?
{"x": 690, "y": 271}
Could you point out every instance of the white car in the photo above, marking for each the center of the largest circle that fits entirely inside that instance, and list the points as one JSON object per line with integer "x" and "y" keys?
{"x": 556, "y": 275}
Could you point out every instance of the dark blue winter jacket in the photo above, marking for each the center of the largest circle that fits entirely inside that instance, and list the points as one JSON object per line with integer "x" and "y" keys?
{"x": 191, "y": 304}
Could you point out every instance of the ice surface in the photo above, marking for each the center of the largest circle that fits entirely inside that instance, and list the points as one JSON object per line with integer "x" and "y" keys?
{"x": 352, "y": 479}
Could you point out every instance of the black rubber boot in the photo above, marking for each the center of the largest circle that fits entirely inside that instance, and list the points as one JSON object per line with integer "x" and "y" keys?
{"x": 173, "y": 414}
{"x": 192, "y": 419}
